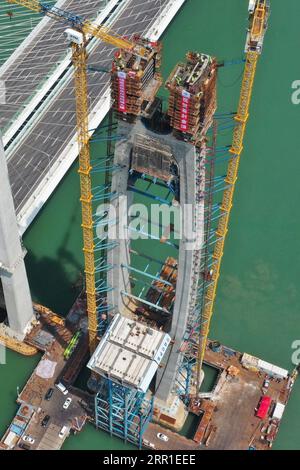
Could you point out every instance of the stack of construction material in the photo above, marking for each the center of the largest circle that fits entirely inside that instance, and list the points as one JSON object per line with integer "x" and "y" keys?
{"x": 163, "y": 294}
{"x": 193, "y": 97}
{"x": 136, "y": 79}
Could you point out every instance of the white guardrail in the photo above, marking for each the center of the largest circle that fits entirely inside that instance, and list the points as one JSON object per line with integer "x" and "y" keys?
{"x": 70, "y": 152}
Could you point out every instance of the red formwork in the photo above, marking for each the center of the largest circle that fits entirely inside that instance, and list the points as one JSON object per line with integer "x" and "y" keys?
{"x": 193, "y": 96}
{"x": 135, "y": 80}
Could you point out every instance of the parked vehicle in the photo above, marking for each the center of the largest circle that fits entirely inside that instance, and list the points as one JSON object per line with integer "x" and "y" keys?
{"x": 67, "y": 403}
{"x": 28, "y": 439}
{"x": 62, "y": 388}
{"x": 266, "y": 384}
{"x": 63, "y": 431}
{"x": 49, "y": 394}
{"x": 24, "y": 446}
{"x": 45, "y": 421}
{"x": 162, "y": 437}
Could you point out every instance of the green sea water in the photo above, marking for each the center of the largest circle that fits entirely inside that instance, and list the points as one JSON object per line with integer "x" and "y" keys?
{"x": 258, "y": 299}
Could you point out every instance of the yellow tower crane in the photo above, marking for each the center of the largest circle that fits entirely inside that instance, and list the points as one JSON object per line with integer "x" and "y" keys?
{"x": 257, "y": 29}
{"x": 78, "y": 33}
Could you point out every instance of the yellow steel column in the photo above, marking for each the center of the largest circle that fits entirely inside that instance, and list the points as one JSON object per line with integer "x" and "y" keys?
{"x": 82, "y": 113}
{"x": 33, "y": 5}
{"x": 226, "y": 206}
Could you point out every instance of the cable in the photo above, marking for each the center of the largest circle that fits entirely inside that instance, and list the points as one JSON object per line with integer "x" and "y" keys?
{"x": 233, "y": 83}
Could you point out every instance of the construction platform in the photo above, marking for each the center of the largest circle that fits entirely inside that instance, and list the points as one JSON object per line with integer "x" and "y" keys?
{"x": 243, "y": 411}
{"x": 52, "y": 336}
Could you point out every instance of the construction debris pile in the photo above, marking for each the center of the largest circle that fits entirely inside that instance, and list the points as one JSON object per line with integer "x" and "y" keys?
{"x": 135, "y": 79}
{"x": 193, "y": 97}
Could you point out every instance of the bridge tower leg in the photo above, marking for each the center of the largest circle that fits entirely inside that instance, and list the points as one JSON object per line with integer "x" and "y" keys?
{"x": 12, "y": 267}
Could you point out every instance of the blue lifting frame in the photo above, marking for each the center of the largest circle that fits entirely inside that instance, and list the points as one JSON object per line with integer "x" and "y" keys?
{"x": 102, "y": 195}
{"x": 122, "y": 411}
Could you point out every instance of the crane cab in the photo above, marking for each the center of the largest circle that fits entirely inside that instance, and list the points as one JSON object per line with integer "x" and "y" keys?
{"x": 74, "y": 36}
{"x": 259, "y": 12}
{"x": 251, "y": 7}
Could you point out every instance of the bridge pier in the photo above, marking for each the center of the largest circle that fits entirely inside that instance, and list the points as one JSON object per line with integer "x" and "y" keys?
{"x": 12, "y": 267}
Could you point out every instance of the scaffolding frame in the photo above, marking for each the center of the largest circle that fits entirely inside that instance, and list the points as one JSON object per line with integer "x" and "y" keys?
{"x": 122, "y": 411}
{"x": 102, "y": 194}
{"x": 202, "y": 259}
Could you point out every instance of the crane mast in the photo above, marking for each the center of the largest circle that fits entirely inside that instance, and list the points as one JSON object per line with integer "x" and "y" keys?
{"x": 253, "y": 50}
{"x": 79, "y": 58}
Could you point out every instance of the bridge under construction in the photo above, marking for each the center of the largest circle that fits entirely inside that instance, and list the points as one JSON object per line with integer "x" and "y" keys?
{"x": 141, "y": 326}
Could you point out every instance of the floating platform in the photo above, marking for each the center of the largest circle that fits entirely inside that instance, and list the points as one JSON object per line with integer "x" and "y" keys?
{"x": 242, "y": 411}
{"x": 16, "y": 345}
{"x": 230, "y": 415}
{"x": 52, "y": 337}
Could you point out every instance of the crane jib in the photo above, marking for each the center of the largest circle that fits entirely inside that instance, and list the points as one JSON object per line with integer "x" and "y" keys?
{"x": 62, "y": 15}
{"x": 81, "y": 24}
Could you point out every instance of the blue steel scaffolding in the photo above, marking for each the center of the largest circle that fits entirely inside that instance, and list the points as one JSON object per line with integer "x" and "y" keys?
{"x": 204, "y": 261}
{"x": 122, "y": 411}
{"x": 103, "y": 169}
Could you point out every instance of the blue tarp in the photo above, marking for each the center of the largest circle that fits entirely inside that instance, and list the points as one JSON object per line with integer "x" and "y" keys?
{"x": 16, "y": 429}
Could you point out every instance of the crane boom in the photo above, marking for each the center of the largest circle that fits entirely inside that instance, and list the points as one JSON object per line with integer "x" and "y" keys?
{"x": 256, "y": 34}
{"x": 80, "y": 24}
{"x": 33, "y": 5}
